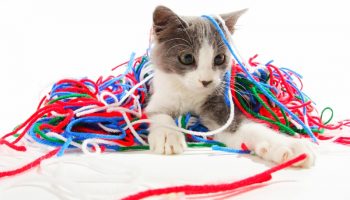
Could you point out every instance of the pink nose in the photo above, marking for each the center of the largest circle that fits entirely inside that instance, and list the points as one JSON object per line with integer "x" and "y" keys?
{"x": 206, "y": 83}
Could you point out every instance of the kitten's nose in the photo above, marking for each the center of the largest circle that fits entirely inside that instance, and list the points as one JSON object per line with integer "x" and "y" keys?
{"x": 206, "y": 83}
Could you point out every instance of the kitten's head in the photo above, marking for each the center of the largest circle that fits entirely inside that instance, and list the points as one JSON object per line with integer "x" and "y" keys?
{"x": 190, "y": 48}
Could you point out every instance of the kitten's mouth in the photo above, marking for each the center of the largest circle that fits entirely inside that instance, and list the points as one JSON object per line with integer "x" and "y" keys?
{"x": 202, "y": 89}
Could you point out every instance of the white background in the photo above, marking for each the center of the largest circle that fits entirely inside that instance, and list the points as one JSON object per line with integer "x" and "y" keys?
{"x": 44, "y": 41}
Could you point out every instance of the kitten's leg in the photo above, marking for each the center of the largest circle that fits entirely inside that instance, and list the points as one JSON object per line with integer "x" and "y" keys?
{"x": 164, "y": 140}
{"x": 268, "y": 144}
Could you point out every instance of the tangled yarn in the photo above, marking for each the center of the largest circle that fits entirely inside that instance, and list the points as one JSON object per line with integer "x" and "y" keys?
{"x": 85, "y": 114}
{"x": 285, "y": 86}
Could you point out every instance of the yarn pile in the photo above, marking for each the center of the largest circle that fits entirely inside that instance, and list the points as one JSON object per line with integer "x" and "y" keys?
{"x": 86, "y": 114}
{"x": 285, "y": 86}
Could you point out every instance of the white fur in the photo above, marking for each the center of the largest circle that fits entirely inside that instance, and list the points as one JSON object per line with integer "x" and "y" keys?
{"x": 268, "y": 144}
{"x": 204, "y": 71}
{"x": 170, "y": 96}
{"x": 179, "y": 94}
{"x": 163, "y": 140}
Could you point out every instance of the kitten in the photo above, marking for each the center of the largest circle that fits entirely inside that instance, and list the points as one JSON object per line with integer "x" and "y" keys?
{"x": 190, "y": 60}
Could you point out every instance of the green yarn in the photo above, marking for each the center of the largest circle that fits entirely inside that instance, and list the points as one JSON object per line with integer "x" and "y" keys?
{"x": 68, "y": 96}
{"x": 53, "y": 121}
{"x": 243, "y": 84}
{"x": 330, "y": 118}
{"x": 191, "y": 145}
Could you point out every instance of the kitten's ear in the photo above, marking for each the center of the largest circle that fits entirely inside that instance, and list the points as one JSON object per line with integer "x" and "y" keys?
{"x": 231, "y": 19}
{"x": 164, "y": 18}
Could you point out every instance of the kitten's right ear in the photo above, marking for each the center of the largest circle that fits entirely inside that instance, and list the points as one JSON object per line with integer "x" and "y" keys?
{"x": 231, "y": 19}
{"x": 164, "y": 18}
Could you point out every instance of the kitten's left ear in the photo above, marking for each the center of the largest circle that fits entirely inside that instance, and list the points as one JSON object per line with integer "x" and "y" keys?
{"x": 231, "y": 19}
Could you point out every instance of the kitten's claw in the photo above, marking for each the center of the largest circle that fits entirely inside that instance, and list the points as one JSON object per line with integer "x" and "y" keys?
{"x": 269, "y": 145}
{"x": 281, "y": 152}
{"x": 300, "y": 147}
{"x": 165, "y": 141}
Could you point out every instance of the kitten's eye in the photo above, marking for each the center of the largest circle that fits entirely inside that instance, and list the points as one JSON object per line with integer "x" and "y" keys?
{"x": 186, "y": 59}
{"x": 219, "y": 59}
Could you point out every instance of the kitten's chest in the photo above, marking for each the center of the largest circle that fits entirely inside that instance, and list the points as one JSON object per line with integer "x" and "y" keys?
{"x": 189, "y": 102}
{"x": 172, "y": 97}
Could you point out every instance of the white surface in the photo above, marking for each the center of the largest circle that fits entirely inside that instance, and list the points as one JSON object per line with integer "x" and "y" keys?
{"x": 44, "y": 41}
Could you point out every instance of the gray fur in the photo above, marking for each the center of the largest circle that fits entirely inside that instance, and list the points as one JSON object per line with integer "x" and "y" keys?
{"x": 175, "y": 35}
{"x": 216, "y": 110}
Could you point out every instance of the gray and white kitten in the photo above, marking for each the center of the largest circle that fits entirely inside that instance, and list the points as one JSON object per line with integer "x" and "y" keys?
{"x": 190, "y": 60}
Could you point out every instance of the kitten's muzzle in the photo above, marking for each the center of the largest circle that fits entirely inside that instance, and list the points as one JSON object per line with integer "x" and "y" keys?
{"x": 206, "y": 83}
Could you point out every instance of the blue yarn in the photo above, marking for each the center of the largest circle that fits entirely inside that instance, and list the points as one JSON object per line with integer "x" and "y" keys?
{"x": 64, "y": 146}
{"x": 144, "y": 62}
{"x": 287, "y": 69}
{"x": 200, "y": 139}
{"x": 230, "y": 150}
{"x": 61, "y": 93}
{"x": 71, "y": 107}
{"x": 261, "y": 74}
{"x": 129, "y": 67}
{"x": 256, "y": 108}
{"x": 33, "y": 135}
{"x": 271, "y": 61}
{"x": 246, "y": 93}
{"x": 227, "y": 87}
{"x": 142, "y": 131}
{"x": 300, "y": 94}
{"x": 279, "y": 104}
{"x": 94, "y": 120}
{"x": 59, "y": 86}
{"x": 111, "y": 147}
{"x": 270, "y": 87}
{"x": 198, "y": 126}
{"x": 88, "y": 83}
{"x": 77, "y": 137}
{"x": 187, "y": 117}
{"x": 177, "y": 122}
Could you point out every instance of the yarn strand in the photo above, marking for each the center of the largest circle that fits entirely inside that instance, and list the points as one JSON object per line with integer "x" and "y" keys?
{"x": 215, "y": 188}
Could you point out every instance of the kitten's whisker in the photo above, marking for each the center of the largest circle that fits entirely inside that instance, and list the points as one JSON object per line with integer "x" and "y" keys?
{"x": 176, "y": 46}
{"x": 237, "y": 91}
{"x": 188, "y": 35}
{"x": 189, "y": 44}
{"x": 245, "y": 98}
{"x": 236, "y": 83}
{"x": 220, "y": 45}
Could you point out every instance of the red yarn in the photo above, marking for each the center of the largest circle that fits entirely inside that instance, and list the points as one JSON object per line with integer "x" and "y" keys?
{"x": 12, "y": 146}
{"x": 204, "y": 189}
{"x": 124, "y": 63}
{"x": 27, "y": 124}
{"x": 30, "y": 165}
{"x": 252, "y": 62}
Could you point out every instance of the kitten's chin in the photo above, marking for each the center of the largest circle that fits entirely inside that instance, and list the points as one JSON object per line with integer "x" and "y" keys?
{"x": 201, "y": 90}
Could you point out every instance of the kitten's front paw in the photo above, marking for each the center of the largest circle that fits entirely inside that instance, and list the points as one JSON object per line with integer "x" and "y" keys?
{"x": 281, "y": 152}
{"x": 166, "y": 141}
{"x": 301, "y": 146}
